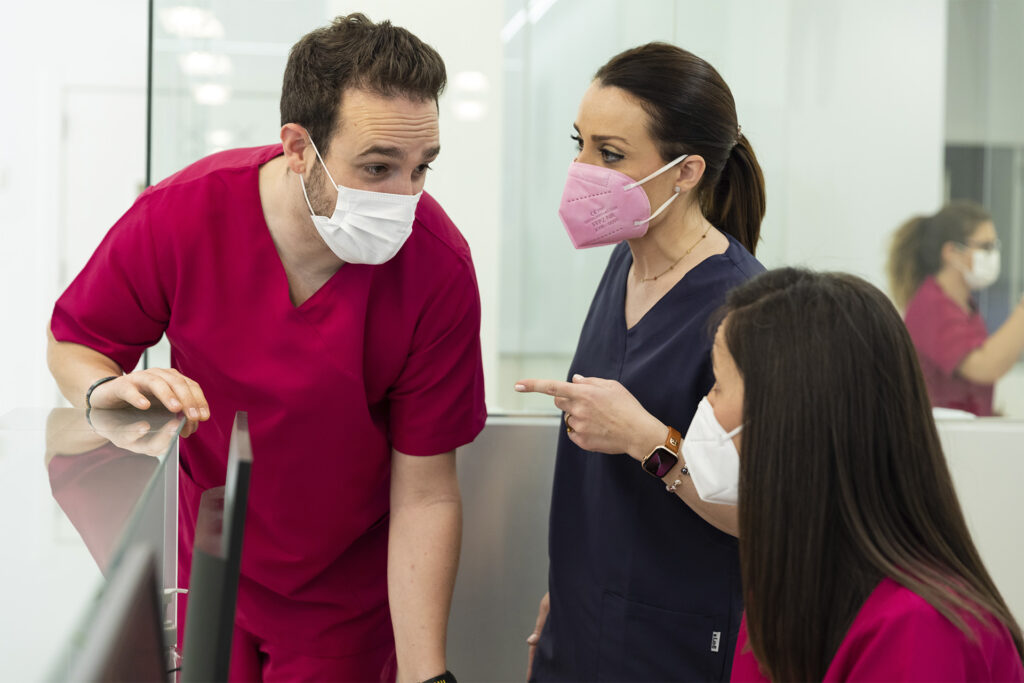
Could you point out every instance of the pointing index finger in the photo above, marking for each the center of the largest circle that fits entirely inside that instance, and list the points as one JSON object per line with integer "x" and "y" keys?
{"x": 551, "y": 387}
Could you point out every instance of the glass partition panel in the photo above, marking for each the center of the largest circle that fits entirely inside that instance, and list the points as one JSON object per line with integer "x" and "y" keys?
{"x": 863, "y": 113}
{"x": 984, "y": 154}
{"x": 217, "y": 70}
{"x": 551, "y": 53}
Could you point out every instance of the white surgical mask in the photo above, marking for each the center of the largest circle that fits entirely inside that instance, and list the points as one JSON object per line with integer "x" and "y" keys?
{"x": 366, "y": 227}
{"x": 984, "y": 270}
{"x": 711, "y": 457}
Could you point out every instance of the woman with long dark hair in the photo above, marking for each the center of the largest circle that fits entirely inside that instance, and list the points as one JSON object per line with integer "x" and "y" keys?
{"x": 935, "y": 265}
{"x": 644, "y": 582}
{"x": 856, "y": 559}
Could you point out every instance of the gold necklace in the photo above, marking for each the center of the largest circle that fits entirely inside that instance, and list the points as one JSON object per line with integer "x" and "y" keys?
{"x": 685, "y": 254}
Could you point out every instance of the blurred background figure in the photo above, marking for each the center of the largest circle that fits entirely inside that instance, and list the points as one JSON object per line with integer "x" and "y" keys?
{"x": 935, "y": 265}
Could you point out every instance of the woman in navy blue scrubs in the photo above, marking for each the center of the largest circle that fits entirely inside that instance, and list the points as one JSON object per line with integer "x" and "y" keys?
{"x": 644, "y": 582}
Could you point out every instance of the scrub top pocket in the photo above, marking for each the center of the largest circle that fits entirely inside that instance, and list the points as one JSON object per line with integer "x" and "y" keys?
{"x": 655, "y": 640}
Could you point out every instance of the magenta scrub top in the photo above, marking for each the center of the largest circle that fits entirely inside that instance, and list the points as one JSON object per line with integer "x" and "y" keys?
{"x": 943, "y": 334}
{"x": 380, "y": 357}
{"x": 897, "y": 636}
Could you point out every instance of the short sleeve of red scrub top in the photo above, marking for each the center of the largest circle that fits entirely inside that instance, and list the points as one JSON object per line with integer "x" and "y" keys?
{"x": 942, "y": 331}
{"x": 443, "y": 362}
{"x": 944, "y": 334}
{"x": 119, "y": 305}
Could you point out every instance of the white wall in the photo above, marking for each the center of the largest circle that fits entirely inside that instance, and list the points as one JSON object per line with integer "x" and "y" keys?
{"x": 72, "y": 159}
{"x": 844, "y": 103}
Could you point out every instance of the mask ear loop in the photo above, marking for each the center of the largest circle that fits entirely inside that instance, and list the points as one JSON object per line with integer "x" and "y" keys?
{"x": 660, "y": 209}
{"x": 321, "y": 159}
{"x": 302, "y": 181}
{"x": 657, "y": 173}
{"x": 671, "y": 199}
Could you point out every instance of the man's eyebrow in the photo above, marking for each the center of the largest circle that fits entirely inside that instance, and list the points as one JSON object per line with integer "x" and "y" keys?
{"x": 396, "y": 152}
{"x": 384, "y": 151}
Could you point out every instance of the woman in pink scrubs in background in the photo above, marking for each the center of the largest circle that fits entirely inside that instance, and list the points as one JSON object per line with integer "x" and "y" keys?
{"x": 935, "y": 264}
{"x": 856, "y": 560}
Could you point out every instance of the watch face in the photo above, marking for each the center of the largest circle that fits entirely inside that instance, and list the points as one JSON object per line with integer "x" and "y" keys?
{"x": 660, "y": 461}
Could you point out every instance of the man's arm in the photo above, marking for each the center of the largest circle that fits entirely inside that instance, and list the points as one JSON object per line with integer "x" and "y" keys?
{"x": 423, "y": 558}
{"x": 75, "y": 367}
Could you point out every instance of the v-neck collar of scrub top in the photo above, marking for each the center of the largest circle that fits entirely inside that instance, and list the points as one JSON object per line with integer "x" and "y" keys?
{"x": 689, "y": 285}
{"x": 348, "y": 274}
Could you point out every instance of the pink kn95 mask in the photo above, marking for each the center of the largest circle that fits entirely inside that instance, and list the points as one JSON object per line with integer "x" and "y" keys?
{"x": 603, "y": 206}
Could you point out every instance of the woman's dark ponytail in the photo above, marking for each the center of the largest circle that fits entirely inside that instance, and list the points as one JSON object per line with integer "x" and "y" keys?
{"x": 736, "y": 203}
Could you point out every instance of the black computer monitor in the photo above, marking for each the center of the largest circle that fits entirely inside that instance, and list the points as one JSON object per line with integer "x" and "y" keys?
{"x": 216, "y": 559}
{"x": 124, "y": 638}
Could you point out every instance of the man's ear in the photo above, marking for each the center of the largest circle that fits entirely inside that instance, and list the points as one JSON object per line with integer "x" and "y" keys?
{"x": 690, "y": 171}
{"x": 297, "y": 150}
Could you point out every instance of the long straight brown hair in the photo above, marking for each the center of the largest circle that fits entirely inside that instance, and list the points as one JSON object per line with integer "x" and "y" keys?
{"x": 842, "y": 476}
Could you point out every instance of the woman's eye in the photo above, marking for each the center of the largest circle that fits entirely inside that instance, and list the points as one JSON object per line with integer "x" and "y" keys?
{"x": 609, "y": 156}
{"x": 578, "y": 140}
{"x": 376, "y": 169}
{"x": 423, "y": 168}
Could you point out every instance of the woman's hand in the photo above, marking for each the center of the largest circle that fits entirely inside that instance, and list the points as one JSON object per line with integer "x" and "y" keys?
{"x": 601, "y": 415}
{"x": 534, "y": 638}
{"x": 175, "y": 391}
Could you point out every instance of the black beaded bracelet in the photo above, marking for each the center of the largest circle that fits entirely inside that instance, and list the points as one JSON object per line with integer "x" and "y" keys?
{"x": 88, "y": 394}
{"x": 446, "y": 677}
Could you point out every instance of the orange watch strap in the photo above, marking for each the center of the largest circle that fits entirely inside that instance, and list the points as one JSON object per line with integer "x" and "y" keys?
{"x": 674, "y": 440}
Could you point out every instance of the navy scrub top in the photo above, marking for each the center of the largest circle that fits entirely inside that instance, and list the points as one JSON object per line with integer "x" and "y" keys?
{"x": 642, "y": 589}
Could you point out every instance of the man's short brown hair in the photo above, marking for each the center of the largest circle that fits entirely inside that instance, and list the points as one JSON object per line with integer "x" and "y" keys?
{"x": 354, "y": 52}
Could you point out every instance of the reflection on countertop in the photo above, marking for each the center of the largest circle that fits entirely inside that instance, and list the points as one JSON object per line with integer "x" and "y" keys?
{"x": 108, "y": 480}
{"x": 97, "y": 476}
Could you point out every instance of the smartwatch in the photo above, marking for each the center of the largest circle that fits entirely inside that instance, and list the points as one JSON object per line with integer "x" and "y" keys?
{"x": 663, "y": 458}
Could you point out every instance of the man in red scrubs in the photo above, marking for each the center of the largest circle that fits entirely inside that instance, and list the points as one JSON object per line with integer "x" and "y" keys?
{"x": 313, "y": 284}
